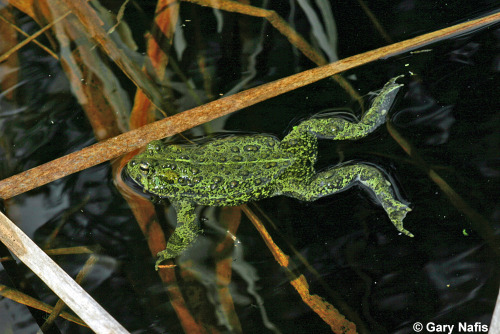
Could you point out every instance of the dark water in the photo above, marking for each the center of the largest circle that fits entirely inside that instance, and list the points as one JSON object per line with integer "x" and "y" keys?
{"x": 448, "y": 110}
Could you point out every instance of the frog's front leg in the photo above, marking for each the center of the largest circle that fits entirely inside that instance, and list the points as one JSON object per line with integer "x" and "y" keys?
{"x": 342, "y": 177}
{"x": 340, "y": 129}
{"x": 185, "y": 233}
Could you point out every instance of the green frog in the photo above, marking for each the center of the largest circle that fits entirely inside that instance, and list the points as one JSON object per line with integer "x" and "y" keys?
{"x": 238, "y": 169}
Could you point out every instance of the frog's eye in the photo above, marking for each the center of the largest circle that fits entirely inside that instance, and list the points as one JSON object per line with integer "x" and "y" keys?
{"x": 144, "y": 166}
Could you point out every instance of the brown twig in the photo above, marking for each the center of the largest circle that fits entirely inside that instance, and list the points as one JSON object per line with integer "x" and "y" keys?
{"x": 330, "y": 315}
{"x": 119, "y": 145}
{"x": 19, "y": 30}
{"x": 24, "y": 299}
{"x": 62, "y": 251}
{"x": 32, "y": 37}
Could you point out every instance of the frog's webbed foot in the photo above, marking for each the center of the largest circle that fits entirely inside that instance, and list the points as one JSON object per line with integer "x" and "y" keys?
{"x": 184, "y": 235}
{"x": 397, "y": 212}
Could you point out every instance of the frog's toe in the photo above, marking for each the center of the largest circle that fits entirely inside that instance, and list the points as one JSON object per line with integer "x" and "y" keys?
{"x": 397, "y": 214}
{"x": 392, "y": 85}
{"x": 404, "y": 231}
{"x": 162, "y": 256}
{"x": 393, "y": 80}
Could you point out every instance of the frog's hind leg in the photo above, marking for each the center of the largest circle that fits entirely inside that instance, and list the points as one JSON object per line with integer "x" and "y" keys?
{"x": 342, "y": 177}
{"x": 335, "y": 128}
{"x": 185, "y": 233}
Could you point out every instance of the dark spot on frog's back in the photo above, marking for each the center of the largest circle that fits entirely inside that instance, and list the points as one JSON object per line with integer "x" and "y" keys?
{"x": 199, "y": 158}
{"x": 251, "y": 148}
{"x": 260, "y": 181}
{"x": 270, "y": 164}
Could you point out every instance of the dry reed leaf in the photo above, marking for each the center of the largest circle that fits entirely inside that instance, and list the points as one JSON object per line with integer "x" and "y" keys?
{"x": 94, "y": 27}
{"x": 25, "y": 6}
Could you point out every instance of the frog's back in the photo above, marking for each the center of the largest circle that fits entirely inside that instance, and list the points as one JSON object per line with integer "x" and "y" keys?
{"x": 226, "y": 171}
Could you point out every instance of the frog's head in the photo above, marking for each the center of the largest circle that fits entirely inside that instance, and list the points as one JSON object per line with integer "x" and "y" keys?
{"x": 148, "y": 173}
